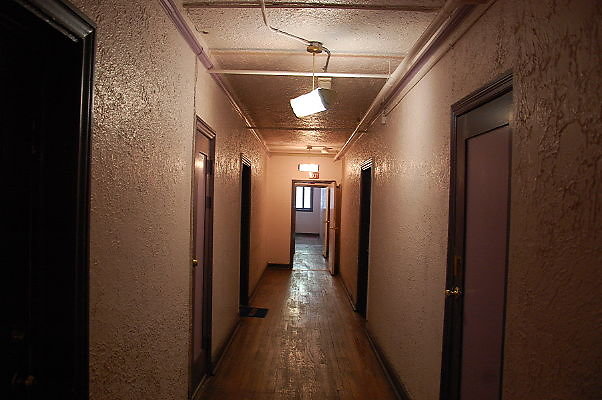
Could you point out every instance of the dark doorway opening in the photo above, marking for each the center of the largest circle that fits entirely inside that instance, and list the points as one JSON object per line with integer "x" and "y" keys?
{"x": 364, "y": 239}
{"x": 45, "y": 105}
{"x": 475, "y": 304}
{"x": 245, "y": 231}
{"x": 202, "y": 261}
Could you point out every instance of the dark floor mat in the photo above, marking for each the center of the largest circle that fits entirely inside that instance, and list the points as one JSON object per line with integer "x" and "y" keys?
{"x": 253, "y": 312}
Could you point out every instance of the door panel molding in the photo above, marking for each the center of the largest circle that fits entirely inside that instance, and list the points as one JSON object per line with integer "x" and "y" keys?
{"x": 495, "y": 94}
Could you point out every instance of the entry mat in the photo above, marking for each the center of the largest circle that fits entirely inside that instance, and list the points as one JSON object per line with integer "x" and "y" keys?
{"x": 253, "y": 312}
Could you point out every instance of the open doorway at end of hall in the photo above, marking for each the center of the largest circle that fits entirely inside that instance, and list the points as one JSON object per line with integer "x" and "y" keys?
{"x": 313, "y": 234}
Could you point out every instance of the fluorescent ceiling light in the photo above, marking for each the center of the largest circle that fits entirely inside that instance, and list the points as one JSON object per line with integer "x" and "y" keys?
{"x": 310, "y": 103}
{"x": 309, "y": 167}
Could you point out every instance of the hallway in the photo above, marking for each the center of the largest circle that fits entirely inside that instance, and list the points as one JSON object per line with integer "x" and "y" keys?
{"x": 308, "y": 253}
{"x": 311, "y": 345}
{"x": 448, "y": 152}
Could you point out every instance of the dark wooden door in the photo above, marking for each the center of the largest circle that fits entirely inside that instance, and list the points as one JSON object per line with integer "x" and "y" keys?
{"x": 364, "y": 240}
{"x": 202, "y": 257}
{"x": 245, "y": 233}
{"x": 45, "y": 81}
{"x": 475, "y": 306}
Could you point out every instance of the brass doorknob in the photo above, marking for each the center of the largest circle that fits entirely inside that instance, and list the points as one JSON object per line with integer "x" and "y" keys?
{"x": 195, "y": 262}
{"x": 454, "y": 292}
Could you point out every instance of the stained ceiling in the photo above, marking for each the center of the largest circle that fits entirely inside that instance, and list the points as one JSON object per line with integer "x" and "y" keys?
{"x": 364, "y": 37}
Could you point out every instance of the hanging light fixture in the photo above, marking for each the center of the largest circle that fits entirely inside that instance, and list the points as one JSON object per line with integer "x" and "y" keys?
{"x": 318, "y": 99}
{"x": 310, "y": 103}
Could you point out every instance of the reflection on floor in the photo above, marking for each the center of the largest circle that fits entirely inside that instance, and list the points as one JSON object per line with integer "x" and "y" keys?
{"x": 311, "y": 345}
{"x": 308, "y": 253}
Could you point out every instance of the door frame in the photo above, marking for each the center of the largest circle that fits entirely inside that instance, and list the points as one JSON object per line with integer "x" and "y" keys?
{"x": 244, "y": 161}
{"x": 303, "y": 182}
{"x": 452, "y": 324}
{"x": 202, "y": 128}
{"x": 362, "y": 279}
{"x": 68, "y": 20}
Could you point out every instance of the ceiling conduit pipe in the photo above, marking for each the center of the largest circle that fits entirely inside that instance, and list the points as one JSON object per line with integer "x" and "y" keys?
{"x": 440, "y": 28}
{"x": 317, "y": 46}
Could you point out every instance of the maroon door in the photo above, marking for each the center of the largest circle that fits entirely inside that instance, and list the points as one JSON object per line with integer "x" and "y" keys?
{"x": 201, "y": 262}
{"x": 478, "y": 245}
{"x": 487, "y": 167}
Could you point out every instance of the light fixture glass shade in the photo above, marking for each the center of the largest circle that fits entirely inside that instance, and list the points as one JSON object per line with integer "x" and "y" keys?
{"x": 310, "y": 103}
{"x": 309, "y": 167}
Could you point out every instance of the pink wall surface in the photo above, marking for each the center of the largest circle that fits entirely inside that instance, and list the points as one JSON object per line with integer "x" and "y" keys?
{"x": 282, "y": 169}
{"x": 554, "y": 49}
{"x": 140, "y": 256}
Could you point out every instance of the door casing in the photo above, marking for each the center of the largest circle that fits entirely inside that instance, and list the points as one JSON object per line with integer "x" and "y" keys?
{"x": 245, "y": 228}
{"x": 316, "y": 184}
{"x": 74, "y": 134}
{"x": 452, "y": 330}
{"x": 201, "y": 128}
{"x": 363, "y": 260}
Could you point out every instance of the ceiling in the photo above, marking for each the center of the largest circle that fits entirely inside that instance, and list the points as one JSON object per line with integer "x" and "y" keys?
{"x": 364, "y": 36}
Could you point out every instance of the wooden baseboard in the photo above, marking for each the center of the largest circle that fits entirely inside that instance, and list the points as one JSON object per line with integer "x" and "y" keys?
{"x": 225, "y": 347}
{"x": 342, "y": 282}
{"x": 279, "y": 266}
{"x": 198, "y": 393}
{"x": 400, "y": 390}
{"x": 252, "y": 296}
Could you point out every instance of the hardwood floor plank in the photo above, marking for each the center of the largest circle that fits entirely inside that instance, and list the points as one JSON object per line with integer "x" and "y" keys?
{"x": 311, "y": 346}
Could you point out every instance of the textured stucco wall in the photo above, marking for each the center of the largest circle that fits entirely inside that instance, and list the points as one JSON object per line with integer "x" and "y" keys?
{"x": 553, "y": 315}
{"x": 232, "y": 139}
{"x": 282, "y": 169}
{"x": 142, "y": 139}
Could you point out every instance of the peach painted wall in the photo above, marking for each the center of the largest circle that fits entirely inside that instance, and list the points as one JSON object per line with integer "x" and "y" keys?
{"x": 140, "y": 249}
{"x": 553, "y": 345}
{"x": 282, "y": 169}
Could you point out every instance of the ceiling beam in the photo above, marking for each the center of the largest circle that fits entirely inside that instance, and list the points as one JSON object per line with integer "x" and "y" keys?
{"x": 314, "y": 5}
{"x": 295, "y": 73}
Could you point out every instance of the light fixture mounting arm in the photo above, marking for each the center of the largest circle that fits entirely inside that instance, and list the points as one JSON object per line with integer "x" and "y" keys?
{"x": 314, "y": 45}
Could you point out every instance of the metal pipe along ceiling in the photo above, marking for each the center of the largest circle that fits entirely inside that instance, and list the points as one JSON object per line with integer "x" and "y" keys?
{"x": 302, "y": 40}
{"x": 443, "y": 21}
{"x": 296, "y": 73}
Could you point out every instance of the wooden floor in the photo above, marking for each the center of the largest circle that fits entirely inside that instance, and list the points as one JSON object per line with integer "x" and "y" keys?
{"x": 308, "y": 253}
{"x": 311, "y": 345}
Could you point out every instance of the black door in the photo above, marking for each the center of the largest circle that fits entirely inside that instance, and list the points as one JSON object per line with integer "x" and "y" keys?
{"x": 364, "y": 240}
{"x": 245, "y": 232}
{"x": 45, "y": 81}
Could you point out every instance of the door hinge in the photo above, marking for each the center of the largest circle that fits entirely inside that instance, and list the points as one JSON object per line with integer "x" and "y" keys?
{"x": 208, "y": 202}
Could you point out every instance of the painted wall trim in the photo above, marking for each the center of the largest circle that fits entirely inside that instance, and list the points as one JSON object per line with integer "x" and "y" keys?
{"x": 447, "y": 22}
{"x": 178, "y": 20}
